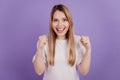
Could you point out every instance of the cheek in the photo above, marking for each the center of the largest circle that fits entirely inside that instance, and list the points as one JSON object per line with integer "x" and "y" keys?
{"x": 67, "y": 25}
{"x": 54, "y": 24}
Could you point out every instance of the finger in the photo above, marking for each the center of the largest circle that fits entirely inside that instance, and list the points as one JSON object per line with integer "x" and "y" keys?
{"x": 43, "y": 38}
{"x": 84, "y": 39}
{"x": 81, "y": 38}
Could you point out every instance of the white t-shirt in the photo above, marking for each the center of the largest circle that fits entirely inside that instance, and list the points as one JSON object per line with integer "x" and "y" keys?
{"x": 61, "y": 69}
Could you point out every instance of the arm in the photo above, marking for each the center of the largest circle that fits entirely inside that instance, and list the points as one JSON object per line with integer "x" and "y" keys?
{"x": 39, "y": 62}
{"x": 84, "y": 66}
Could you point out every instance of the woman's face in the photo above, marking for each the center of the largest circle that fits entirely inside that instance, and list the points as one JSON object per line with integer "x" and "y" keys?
{"x": 60, "y": 24}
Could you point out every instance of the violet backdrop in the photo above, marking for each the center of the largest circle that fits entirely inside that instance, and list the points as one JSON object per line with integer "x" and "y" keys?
{"x": 22, "y": 21}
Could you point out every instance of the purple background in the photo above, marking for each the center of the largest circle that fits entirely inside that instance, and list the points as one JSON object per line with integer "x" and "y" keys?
{"x": 22, "y": 21}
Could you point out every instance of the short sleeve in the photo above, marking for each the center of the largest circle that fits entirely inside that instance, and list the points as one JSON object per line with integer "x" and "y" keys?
{"x": 44, "y": 52}
{"x": 80, "y": 50}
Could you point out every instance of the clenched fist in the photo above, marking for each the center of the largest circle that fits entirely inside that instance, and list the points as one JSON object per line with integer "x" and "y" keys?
{"x": 86, "y": 42}
{"x": 42, "y": 41}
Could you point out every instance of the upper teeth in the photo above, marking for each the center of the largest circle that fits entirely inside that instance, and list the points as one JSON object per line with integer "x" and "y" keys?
{"x": 60, "y": 29}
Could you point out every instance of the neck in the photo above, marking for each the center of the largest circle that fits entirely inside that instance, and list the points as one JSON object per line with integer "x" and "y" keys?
{"x": 61, "y": 37}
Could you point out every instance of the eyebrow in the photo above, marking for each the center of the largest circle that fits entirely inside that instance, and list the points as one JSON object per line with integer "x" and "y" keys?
{"x": 62, "y": 18}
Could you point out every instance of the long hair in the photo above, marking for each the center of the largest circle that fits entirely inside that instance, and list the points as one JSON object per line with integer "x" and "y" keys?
{"x": 69, "y": 36}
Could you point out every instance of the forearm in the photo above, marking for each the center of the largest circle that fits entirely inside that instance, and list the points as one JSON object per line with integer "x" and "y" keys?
{"x": 85, "y": 63}
{"x": 39, "y": 64}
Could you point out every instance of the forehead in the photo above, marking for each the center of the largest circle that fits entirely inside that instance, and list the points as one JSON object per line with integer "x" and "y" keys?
{"x": 59, "y": 14}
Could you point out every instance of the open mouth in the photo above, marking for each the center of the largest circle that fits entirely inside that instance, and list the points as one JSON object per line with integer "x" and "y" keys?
{"x": 60, "y": 30}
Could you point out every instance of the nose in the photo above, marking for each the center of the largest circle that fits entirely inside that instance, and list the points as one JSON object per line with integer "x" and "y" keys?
{"x": 60, "y": 23}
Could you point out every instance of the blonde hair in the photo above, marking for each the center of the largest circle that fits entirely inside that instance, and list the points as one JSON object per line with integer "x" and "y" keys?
{"x": 69, "y": 36}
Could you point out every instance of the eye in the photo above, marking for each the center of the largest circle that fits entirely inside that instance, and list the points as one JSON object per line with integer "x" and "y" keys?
{"x": 65, "y": 19}
{"x": 55, "y": 20}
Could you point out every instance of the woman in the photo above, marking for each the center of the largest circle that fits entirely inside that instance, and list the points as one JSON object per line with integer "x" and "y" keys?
{"x": 60, "y": 54}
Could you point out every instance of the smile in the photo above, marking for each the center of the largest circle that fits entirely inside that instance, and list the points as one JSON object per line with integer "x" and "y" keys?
{"x": 60, "y": 30}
